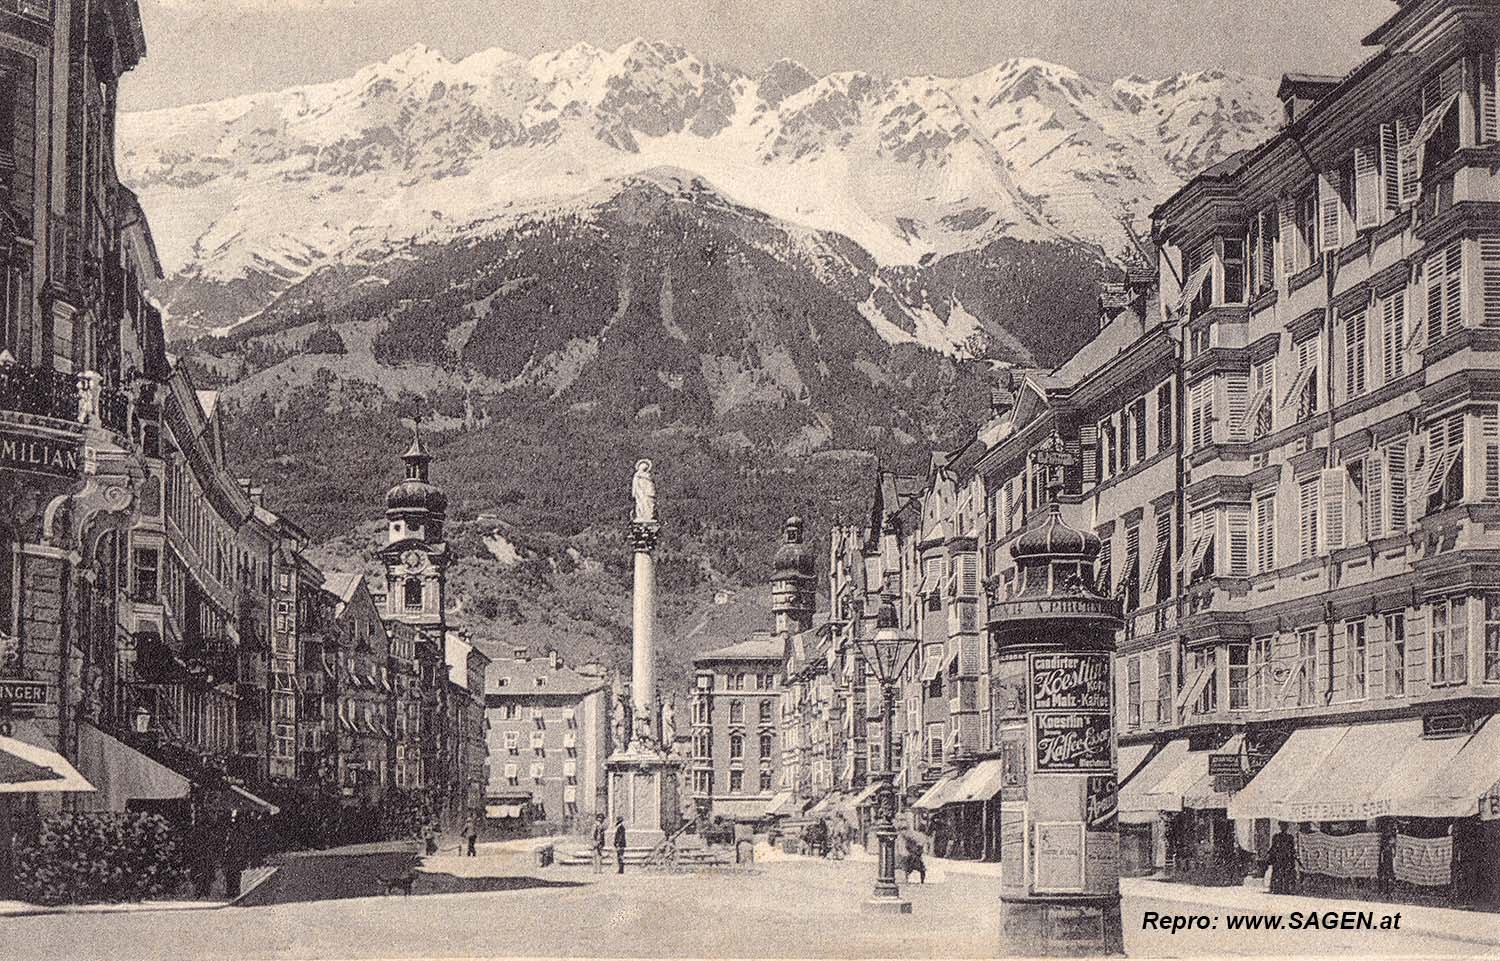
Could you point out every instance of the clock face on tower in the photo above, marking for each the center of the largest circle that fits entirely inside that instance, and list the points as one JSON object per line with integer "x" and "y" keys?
{"x": 412, "y": 559}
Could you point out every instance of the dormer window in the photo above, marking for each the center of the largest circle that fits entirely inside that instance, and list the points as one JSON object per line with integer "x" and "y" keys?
{"x": 412, "y": 593}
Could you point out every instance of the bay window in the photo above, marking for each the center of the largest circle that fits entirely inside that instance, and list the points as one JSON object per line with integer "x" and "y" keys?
{"x": 1450, "y": 641}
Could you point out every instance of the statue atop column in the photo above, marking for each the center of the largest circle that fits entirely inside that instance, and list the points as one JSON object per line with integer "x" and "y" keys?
{"x": 643, "y": 490}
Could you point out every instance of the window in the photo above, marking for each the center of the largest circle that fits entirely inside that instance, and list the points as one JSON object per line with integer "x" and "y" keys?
{"x": 736, "y": 746}
{"x": 1393, "y": 336}
{"x": 1445, "y": 456}
{"x": 1265, "y": 532}
{"x": 1239, "y": 677}
{"x": 1307, "y": 666}
{"x": 1368, "y": 190}
{"x": 1304, "y": 392}
{"x": 1166, "y": 416}
{"x": 1395, "y": 654}
{"x": 147, "y": 574}
{"x": 1395, "y": 492}
{"x": 700, "y": 710}
{"x": 736, "y": 782}
{"x": 1444, "y": 292}
{"x": 1261, "y": 691}
{"x": 1330, "y": 210}
{"x": 538, "y": 770}
{"x": 766, "y": 745}
{"x": 1163, "y": 685}
{"x": 1354, "y": 355}
{"x": 1161, "y": 569}
{"x": 1204, "y": 661}
{"x": 765, "y": 781}
{"x": 1492, "y": 637}
{"x": 1138, "y": 424}
{"x": 736, "y": 712}
{"x": 1200, "y": 414}
{"x": 935, "y": 743}
{"x": 1130, "y": 575}
{"x": 1450, "y": 641}
{"x": 512, "y": 742}
{"x": 1234, "y": 270}
{"x": 1307, "y": 518}
{"x": 1357, "y": 655}
{"x": 412, "y": 593}
{"x": 1258, "y": 414}
{"x": 1297, "y": 216}
{"x": 1263, "y": 234}
{"x": 1398, "y": 180}
{"x": 1237, "y": 525}
{"x": 1133, "y": 692}
{"x": 1489, "y": 437}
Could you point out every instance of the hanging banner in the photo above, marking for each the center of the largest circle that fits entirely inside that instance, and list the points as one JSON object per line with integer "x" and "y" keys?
{"x": 1348, "y": 856}
{"x": 1424, "y": 861}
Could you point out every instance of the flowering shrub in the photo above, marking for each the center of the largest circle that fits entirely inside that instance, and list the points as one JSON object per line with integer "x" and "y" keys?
{"x": 86, "y": 858}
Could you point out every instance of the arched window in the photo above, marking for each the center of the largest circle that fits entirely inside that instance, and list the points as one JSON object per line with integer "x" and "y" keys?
{"x": 736, "y": 746}
{"x": 765, "y": 712}
{"x": 765, "y": 745}
{"x": 413, "y": 591}
{"x": 736, "y": 712}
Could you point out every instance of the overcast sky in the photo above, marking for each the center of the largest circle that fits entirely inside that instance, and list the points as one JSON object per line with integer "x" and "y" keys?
{"x": 208, "y": 49}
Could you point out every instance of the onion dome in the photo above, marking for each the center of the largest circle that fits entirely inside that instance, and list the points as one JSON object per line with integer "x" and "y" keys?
{"x": 793, "y": 558}
{"x": 415, "y": 491}
{"x": 1053, "y": 538}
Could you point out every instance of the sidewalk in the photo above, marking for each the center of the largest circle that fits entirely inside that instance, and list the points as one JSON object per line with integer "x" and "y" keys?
{"x": 25, "y": 908}
{"x": 1475, "y": 927}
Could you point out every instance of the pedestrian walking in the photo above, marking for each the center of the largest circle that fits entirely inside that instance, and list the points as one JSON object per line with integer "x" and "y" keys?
{"x": 471, "y": 835}
{"x": 1281, "y": 861}
{"x": 429, "y": 838}
{"x": 599, "y": 844}
{"x": 620, "y": 845}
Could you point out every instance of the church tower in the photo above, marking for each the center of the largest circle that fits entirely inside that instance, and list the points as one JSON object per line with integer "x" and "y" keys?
{"x": 793, "y": 582}
{"x": 415, "y": 554}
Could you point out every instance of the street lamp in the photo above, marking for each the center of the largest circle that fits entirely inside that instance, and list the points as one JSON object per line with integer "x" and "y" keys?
{"x": 887, "y": 653}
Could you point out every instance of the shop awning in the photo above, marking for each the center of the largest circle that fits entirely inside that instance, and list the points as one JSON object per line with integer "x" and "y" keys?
{"x": 1470, "y": 771}
{"x": 504, "y": 810}
{"x": 937, "y": 795}
{"x": 1199, "y": 788}
{"x": 29, "y": 765}
{"x": 239, "y": 799}
{"x": 121, "y": 773}
{"x": 980, "y": 783}
{"x": 1303, "y": 758}
{"x": 867, "y": 796}
{"x": 1130, "y": 758}
{"x": 1138, "y": 796}
{"x": 783, "y": 804}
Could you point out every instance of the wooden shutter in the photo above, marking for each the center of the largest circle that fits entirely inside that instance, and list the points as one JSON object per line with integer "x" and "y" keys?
{"x": 1265, "y": 533}
{"x": 1436, "y": 264}
{"x": 1369, "y": 198}
{"x": 1390, "y": 168}
{"x": 1489, "y": 116}
{"x": 1331, "y": 496}
{"x": 1354, "y": 355}
{"x": 1286, "y": 210}
{"x": 1416, "y": 648}
{"x": 1410, "y": 185}
{"x": 1489, "y": 280}
{"x": 1393, "y": 335}
{"x": 1453, "y": 287}
{"x": 1237, "y": 522}
{"x": 1330, "y": 211}
{"x": 1489, "y": 433}
{"x": 1088, "y": 446}
{"x": 1374, "y": 496}
{"x": 1396, "y": 478}
{"x": 1237, "y": 395}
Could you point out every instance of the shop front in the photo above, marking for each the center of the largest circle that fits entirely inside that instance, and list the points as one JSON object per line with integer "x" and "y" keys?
{"x": 1173, "y": 813}
{"x": 1398, "y": 807}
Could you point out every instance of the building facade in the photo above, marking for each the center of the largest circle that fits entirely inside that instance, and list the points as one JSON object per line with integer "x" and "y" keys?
{"x": 548, "y": 737}
{"x": 736, "y": 760}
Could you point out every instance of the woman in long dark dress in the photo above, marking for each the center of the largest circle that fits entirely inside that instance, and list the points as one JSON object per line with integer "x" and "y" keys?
{"x": 1282, "y": 862}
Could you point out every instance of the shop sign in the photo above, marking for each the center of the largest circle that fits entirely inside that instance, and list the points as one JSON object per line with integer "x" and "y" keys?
{"x": 1424, "y": 861}
{"x": 1225, "y": 764}
{"x": 41, "y": 455}
{"x": 1445, "y": 725}
{"x": 1072, "y": 743}
{"x": 1101, "y": 801}
{"x": 1070, "y": 682}
{"x": 1058, "y": 856}
{"x": 1054, "y": 453}
{"x": 15, "y": 692}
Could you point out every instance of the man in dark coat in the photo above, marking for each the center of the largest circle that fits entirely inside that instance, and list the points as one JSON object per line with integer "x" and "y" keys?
{"x": 599, "y": 844}
{"x": 471, "y": 835}
{"x": 620, "y": 845}
{"x": 1282, "y": 862}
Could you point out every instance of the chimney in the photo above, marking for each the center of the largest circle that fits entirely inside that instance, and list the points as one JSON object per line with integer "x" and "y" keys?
{"x": 553, "y": 661}
{"x": 519, "y": 653}
{"x": 1300, "y": 91}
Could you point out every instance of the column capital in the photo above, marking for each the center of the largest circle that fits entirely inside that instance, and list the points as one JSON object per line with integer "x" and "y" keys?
{"x": 645, "y": 535}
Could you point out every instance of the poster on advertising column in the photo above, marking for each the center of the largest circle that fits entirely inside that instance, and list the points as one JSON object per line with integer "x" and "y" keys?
{"x": 1070, "y": 682}
{"x": 1058, "y": 857}
{"x": 1071, "y": 743}
{"x": 1070, "y": 721}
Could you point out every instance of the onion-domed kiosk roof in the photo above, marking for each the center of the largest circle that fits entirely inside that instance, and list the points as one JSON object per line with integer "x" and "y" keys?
{"x": 1055, "y": 577}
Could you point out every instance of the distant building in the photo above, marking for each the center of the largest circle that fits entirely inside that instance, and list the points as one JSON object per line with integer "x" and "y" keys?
{"x": 467, "y": 666}
{"x": 549, "y": 733}
{"x": 736, "y": 764}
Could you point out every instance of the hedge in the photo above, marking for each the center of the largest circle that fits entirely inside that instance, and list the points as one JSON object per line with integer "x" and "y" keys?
{"x": 107, "y": 857}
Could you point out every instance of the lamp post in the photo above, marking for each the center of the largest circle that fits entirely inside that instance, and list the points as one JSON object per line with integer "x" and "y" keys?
{"x": 887, "y": 653}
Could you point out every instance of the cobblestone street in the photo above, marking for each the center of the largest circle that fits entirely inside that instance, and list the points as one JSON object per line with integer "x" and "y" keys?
{"x": 789, "y": 908}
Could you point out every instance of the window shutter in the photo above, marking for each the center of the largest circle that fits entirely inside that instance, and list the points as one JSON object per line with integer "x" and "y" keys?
{"x": 1307, "y": 519}
{"x": 1354, "y": 355}
{"x": 1489, "y": 432}
{"x": 1374, "y": 496}
{"x": 1329, "y": 211}
{"x": 1237, "y": 391}
{"x": 1489, "y": 119}
{"x": 1331, "y": 497}
{"x": 1416, "y": 647}
{"x": 1410, "y": 186}
{"x": 1237, "y": 520}
{"x": 1286, "y": 210}
{"x": 1088, "y": 444}
{"x": 968, "y": 583}
{"x": 1393, "y": 335}
{"x": 1265, "y": 534}
{"x": 1489, "y": 284}
{"x": 1453, "y": 288}
{"x": 1368, "y": 192}
{"x": 1436, "y": 264}
{"x": 1395, "y": 464}
{"x": 1390, "y": 167}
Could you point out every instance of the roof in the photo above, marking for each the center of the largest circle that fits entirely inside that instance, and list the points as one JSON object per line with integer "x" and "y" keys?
{"x": 342, "y": 584}
{"x": 521, "y": 677}
{"x": 1306, "y": 84}
{"x": 208, "y": 400}
{"x": 759, "y": 648}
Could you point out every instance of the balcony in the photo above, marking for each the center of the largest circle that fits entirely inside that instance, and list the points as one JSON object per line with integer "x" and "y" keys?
{"x": 42, "y": 392}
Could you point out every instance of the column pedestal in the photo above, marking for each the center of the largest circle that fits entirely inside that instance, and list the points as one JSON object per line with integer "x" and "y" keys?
{"x": 1081, "y": 927}
{"x": 643, "y": 790}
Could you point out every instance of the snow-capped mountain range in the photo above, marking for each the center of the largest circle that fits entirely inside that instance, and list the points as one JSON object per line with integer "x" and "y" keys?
{"x": 247, "y": 196}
